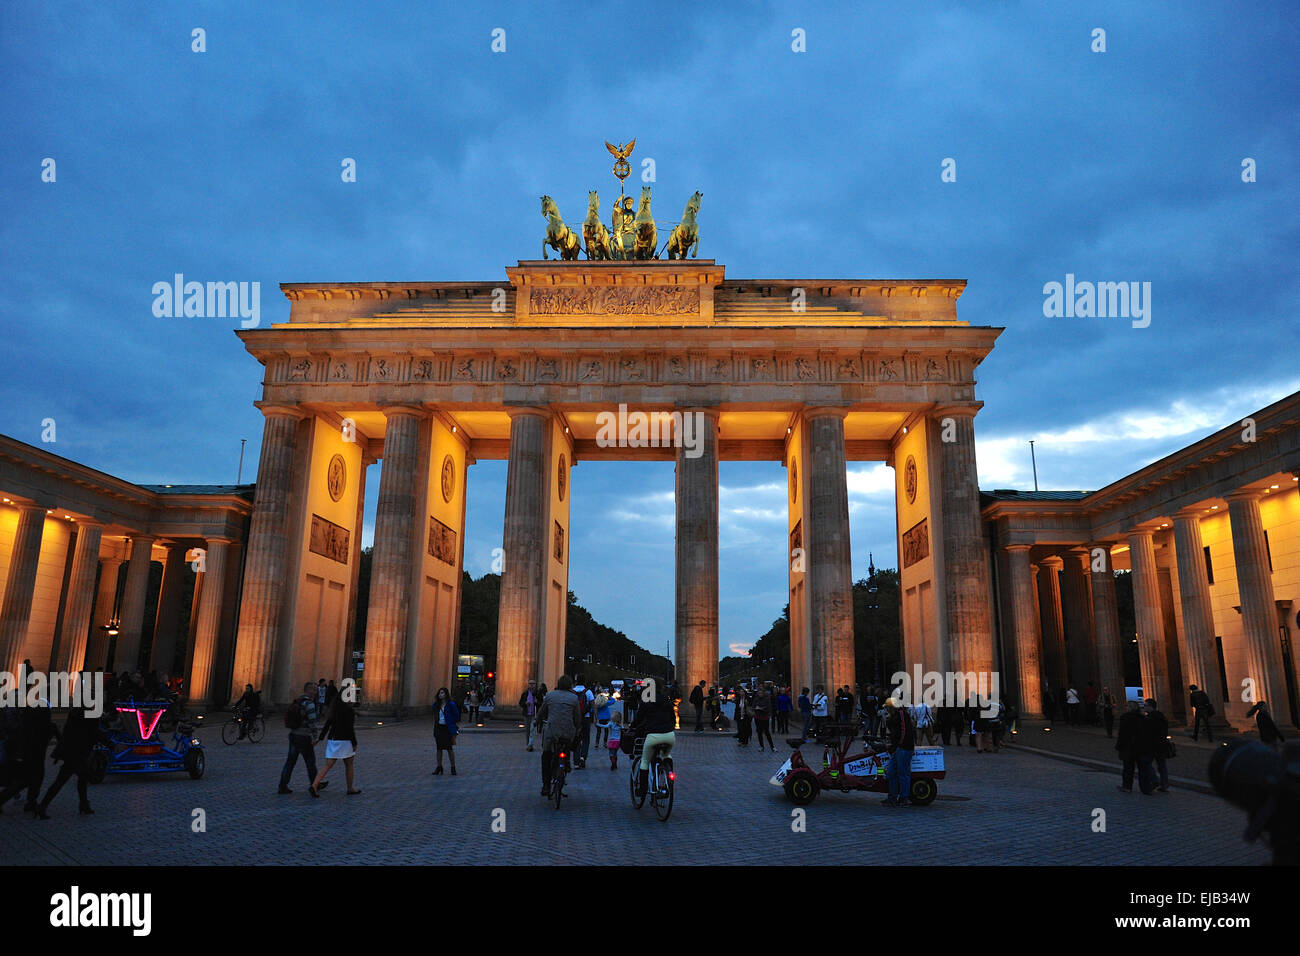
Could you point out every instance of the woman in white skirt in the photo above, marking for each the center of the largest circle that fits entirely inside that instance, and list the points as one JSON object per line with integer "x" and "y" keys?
{"x": 340, "y": 729}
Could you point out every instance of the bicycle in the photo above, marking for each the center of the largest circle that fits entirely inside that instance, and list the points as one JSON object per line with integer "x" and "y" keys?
{"x": 660, "y": 782}
{"x": 230, "y": 729}
{"x": 563, "y": 755}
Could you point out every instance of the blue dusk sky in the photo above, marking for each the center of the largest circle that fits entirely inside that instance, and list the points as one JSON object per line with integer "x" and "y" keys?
{"x": 224, "y": 165}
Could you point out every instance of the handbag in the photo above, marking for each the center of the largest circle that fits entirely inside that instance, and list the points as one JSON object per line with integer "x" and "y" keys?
{"x": 1170, "y": 750}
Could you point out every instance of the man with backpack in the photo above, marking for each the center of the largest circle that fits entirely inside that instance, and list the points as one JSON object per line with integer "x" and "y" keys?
{"x": 300, "y": 719}
{"x": 582, "y": 745}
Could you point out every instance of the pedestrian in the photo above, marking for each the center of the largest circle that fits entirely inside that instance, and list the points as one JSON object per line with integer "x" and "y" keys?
{"x": 806, "y": 710}
{"x": 1072, "y": 707}
{"x": 601, "y": 708}
{"x": 26, "y": 741}
{"x": 1129, "y": 745}
{"x": 339, "y": 730}
{"x": 744, "y": 715}
{"x": 80, "y": 734}
{"x": 901, "y": 743}
{"x": 322, "y": 689}
{"x": 924, "y": 718}
{"x": 783, "y": 707}
{"x": 714, "y": 703}
{"x": 1108, "y": 710}
{"x": 615, "y": 738}
{"x": 1049, "y": 705}
{"x": 1090, "y": 704}
{"x": 472, "y": 704}
{"x": 820, "y": 706}
{"x": 529, "y": 701}
{"x": 582, "y": 746}
{"x": 983, "y": 729}
{"x": 445, "y": 729}
{"x": 331, "y": 692}
{"x": 762, "y": 719}
{"x": 1158, "y": 729}
{"x": 697, "y": 701}
{"x": 561, "y": 719}
{"x": 300, "y": 719}
{"x": 1268, "y": 732}
{"x": 1203, "y": 710}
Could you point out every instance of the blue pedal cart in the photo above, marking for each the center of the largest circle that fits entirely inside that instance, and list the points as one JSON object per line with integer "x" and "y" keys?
{"x": 138, "y": 746}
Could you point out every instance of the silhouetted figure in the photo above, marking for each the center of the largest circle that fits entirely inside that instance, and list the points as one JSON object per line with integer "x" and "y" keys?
{"x": 27, "y": 750}
{"x": 80, "y": 734}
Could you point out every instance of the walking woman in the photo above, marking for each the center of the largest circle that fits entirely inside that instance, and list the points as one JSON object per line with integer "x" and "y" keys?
{"x": 340, "y": 730}
{"x": 446, "y": 715}
{"x": 762, "y": 719}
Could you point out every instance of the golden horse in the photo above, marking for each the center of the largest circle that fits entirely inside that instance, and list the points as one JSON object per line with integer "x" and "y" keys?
{"x": 647, "y": 234}
{"x": 686, "y": 234}
{"x": 558, "y": 236}
{"x": 594, "y": 232}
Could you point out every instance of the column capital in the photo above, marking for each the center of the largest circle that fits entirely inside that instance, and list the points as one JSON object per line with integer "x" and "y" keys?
{"x": 1244, "y": 494}
{"x": 1148, "y": 533}
{"x": 1052, "y": 561}
{"x": 1082, "y": 554}
{"x": 955, "y": 411}
{"x": 1017, "y": 547}
{"x": 538, "y": 411}
{"x": 415, "y": 411}
{"x": 218, "y": 540}
{"x": 276, "y": 410}
{"x": 824, "y": 411}
{"x": 1189, "y": 514}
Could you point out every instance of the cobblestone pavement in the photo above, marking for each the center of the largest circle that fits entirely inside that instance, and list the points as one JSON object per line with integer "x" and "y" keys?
{"x": 1013, "y": 807}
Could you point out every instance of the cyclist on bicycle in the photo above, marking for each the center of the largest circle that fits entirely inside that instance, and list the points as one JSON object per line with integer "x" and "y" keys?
{"x": 656, "y": 722}
{"x": 560, "y": 720}
{"x": 247, "y": 707}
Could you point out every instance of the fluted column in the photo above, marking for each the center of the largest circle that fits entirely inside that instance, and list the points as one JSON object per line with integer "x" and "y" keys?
{"x": 208, "y": 628}
{"x": 1081, "y": 654}
{"x": 1258, "y": 612}
{"x": 966, "y": 575}
{"x": 1201, "y": 665}
{"x": 267, "y": 564}
{"x": 1105, "y": 619}
{"x": 1049, "y": 602}
{"x": 396, "y": 527}
{"x": 696, "y": 654}
{"x": 16, "y": 609}
{"x": 126, "y": 653}
{"x": 521, "y": 613}
{"x": 105, "y": 603}
{"x": 167, "y": 615}
{"x": 1150, "y": 620}
{"x": 80, "y": 599}
{"x": 1025, "y": 624}
{"x": 830, "y": 569}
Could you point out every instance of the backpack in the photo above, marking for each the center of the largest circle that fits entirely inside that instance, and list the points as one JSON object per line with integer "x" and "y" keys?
{"x": 293, "y": 715}
{"x": 584, "y": 705}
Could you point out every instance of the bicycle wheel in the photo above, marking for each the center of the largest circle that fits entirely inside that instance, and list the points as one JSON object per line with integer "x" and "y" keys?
{"x": 557, "y": 786}
{"x": 230, "y": 731}
{"x": 664, "y": 795}
{"x": 637, "y": 801}
{"x": 257, "y": 729}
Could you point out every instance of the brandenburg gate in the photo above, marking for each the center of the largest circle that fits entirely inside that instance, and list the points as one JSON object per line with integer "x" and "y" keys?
{"x": 430, "y": 377}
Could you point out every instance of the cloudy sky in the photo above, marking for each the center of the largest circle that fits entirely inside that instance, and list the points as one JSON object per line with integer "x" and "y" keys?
{"x": 1123, "y": 165}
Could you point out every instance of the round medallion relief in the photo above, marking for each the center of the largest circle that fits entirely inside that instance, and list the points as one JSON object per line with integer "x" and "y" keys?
{"x": 909, "y": 479}
{"x": 562, "y": 477}
{"x": 448, "y": 478}
{"x": 794, "y": 482}
{"x": 336, "y": 477}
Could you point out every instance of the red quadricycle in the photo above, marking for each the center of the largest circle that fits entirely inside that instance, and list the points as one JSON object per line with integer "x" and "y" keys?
{"x": 866, "y": 769}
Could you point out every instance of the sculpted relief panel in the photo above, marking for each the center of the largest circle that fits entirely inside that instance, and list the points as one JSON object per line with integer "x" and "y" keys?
{"x": 615, "y": 300}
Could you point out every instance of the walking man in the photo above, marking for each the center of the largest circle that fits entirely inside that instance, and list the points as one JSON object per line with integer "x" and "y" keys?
{"x": 697, "y": 701}
{"x": 901, "y": 734}
{"x": 300, "y": 718}
{"x": 529, "y": 701}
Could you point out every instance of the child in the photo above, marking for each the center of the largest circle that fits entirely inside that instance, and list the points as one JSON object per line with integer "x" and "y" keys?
{"x": 615, "y": 737}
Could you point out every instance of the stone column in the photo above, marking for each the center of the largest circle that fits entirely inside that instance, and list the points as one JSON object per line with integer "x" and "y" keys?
{"x": 1201, "y": 666}
{"x": 209, "y": 621}
{"x": 267, "y": 562}
{"x": 966, "y": 574}
{"x": 1024, "y": 623}
{"x": 1150, "y": 619}
{"x": 525, "y": 537}
{"x": 696, "y": 654}
{"x": 1049, "y": 601}
{"x": 126, "y": 654}
{"x": 167, "y": 615}
{"x": 80, "y": 599}
{"x": 16, "y": 609}
{"x": 396, "y": 527}
{"x": 830, "y": 572}
{"x": 105, "y": 603}
{"x": 1258, "y": 612}
{"x": 1105, "y": 619}
{"x": 1081, "y": 653}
